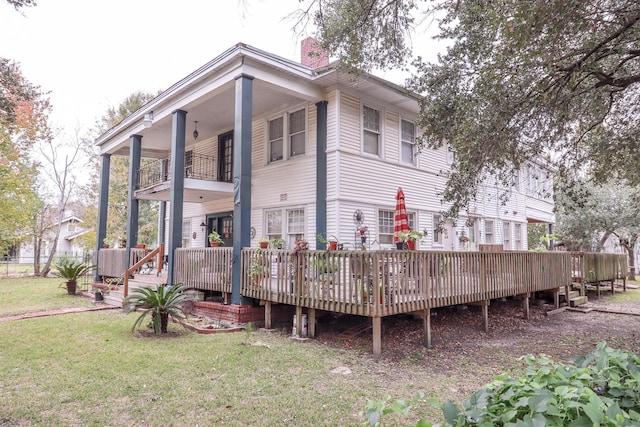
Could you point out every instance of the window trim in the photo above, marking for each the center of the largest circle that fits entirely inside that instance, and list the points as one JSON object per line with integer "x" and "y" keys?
{"x": 410, "y": 213}
{"x": 379, "y": 132}
{"x": 493, "y": 231}
{"x": 506, "y": 237}
{"x": 285, "y": 115}
{"x": 284, "y": 223}
{"x": 414, "y": 157}
{"x": 437, "y": 235}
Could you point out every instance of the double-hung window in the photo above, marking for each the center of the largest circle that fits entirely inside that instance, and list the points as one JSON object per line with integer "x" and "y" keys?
{"x": 370, "y": 130}
{"x": 488, "y": 231}
{"x": 291, "y": 229}
{"x": 292, "y": 128}
{"x": 276, "y": 132}
{"x": 518, "y": 236}
{"x": 386, "y": 222}
{"x": 408, "y": 141}
{"x": 437, "y": 230}
{"x": 506, "y": 235}
{"x": 297, "y": 130}
{"x": 186, "y": 233}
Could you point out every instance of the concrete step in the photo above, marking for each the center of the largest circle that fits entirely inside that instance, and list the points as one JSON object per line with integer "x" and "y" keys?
{"x": 579, "y": 300}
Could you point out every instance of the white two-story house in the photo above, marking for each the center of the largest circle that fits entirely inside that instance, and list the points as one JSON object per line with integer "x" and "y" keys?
{"x": 254, "y": 145}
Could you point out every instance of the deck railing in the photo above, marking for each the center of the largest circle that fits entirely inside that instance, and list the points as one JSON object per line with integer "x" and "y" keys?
{"x": 592, "y": 267}
{"x": 204, "y": 268}
{"x": 381, "y": 283}
{"x": 112, "y": 262}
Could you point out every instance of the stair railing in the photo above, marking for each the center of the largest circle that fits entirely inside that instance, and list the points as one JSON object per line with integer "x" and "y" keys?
{"x": 159, "y": 251}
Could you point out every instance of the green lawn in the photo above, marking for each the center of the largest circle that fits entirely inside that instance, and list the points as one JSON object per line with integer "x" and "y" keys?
{"x": 89, "y": 369}
{"x": 28, "y": 295}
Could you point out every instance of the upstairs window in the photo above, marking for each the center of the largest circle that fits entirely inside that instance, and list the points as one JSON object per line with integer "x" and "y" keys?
{"x": 276, "y": 133}
{"x": 408, "y": 138}
{"x": 292, "y": 125}
{"x": 371, "y": 130}
{"x": 297, "y": 132}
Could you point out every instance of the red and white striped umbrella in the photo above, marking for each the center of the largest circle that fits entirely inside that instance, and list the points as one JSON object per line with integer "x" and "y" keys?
{"x": 401, "y": 220}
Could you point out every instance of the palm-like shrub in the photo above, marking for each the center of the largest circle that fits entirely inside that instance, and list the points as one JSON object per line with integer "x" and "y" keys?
{"x": 161, "y": 303}
{"x": 71, "y": 271}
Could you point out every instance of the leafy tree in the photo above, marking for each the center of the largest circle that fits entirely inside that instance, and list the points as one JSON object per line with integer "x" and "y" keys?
{"x": 23, "y": 120}
{"x": 520, "y": 80}
{"x": 607, "y": 210}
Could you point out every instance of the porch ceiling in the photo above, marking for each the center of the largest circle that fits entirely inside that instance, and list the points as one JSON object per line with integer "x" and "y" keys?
{"x": 195, "y": 191}
{"x": 215, "y": 114}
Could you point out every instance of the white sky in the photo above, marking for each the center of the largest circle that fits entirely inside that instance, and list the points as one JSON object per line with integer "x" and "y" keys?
{"x": 91, "y": 54}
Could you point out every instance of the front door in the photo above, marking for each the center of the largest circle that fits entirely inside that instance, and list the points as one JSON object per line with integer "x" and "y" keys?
{"x": 223, "y": 224}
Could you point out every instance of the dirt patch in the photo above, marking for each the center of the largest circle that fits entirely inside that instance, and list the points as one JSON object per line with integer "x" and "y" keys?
{"x": 458, "y": 333}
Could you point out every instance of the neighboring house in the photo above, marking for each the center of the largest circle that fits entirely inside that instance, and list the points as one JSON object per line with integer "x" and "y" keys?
{"x": 254, "y": 145}
{"x": 68, "y": 242}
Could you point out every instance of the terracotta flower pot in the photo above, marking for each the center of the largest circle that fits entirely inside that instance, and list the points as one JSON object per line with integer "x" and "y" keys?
{"x": 333, "y": 246}
{"x": 214, "y": 244}
{"x": 264, "y": 245}
{"x": 411, "y": 245}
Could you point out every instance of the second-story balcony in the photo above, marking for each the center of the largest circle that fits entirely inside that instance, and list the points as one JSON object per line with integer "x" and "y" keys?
{"x": 205, "y": 179}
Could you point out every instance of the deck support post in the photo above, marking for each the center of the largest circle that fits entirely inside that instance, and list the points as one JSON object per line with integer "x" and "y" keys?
{"x": 311, "y": 319}
{"x": 556, "y": 298}
{"x": 377, "y": 336}
{"x": 298, "y": 321}
{"x": 426, "y": 319}
{"x": 525, "y": 305}
{"x": 267, "y": 314}
{"x": 485, "y": 315}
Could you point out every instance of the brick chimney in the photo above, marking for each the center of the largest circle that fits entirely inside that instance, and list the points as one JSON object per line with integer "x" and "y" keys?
{"x": 312, "y": 55}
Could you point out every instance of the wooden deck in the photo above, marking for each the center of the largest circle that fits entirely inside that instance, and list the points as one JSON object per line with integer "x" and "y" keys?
{"x": 384, "y": 283}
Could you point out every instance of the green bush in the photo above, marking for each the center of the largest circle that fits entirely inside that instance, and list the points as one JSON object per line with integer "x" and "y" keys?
{"x": 599, "y": 389}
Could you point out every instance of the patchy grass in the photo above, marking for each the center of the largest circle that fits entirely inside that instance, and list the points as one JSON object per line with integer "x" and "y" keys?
{"x": 28, "y": 295}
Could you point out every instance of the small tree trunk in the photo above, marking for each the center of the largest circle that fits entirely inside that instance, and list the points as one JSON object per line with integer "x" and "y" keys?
{"x": 632, "y": 264}
{"x": 164, "y": 321}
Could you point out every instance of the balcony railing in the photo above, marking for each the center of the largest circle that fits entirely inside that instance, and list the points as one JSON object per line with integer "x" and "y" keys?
{"x": 197, "y": 166}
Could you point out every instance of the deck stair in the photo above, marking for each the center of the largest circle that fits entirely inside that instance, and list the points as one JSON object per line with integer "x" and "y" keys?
{"x": 573, "y": 299}
{"x": 115, "y": 296}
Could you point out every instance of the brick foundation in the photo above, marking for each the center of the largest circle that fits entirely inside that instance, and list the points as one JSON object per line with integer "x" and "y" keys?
{"x": 242, "y": 313}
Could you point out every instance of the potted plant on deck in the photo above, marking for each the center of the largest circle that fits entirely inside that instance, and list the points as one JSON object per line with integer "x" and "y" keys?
{"x": 332, "y": 242}
{"x": 215, "y": 239}
{"x": 413, "y": 238}
{"x": 71, "y": 271}
{"x": 402, "y": 240}
{"x": 263, "y": 243}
